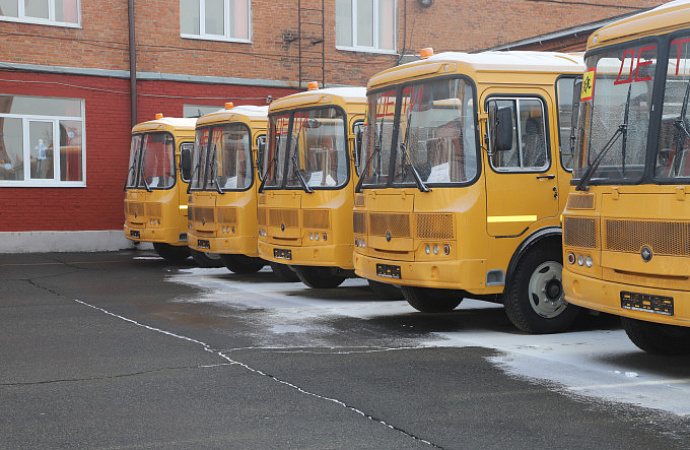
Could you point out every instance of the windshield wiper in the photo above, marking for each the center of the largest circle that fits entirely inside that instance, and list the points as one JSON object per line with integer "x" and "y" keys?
{"x": 622, "y": 130}
{"x": 403, "y": 145}
{"x": 681, "y": 127}
{"x": 218, "y": 188}
{"x": 300, "y": 177}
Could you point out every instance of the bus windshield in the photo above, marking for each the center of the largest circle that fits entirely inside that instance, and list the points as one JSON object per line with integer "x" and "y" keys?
{"x": 615, "y": 109}
{"x": 151, "y": 161}
{"x": 435, "y": 139}
{"x": 222, "y": 158}
{"x": 307, "y": 150}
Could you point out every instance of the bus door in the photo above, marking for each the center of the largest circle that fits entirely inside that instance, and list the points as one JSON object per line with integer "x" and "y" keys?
{"x": 521, "y": 175}
{"x": 186, "y": 149}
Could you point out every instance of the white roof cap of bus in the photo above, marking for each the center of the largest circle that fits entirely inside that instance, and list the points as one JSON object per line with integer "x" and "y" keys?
{"x": 513, "y": 60}
{"x": 247, "y": 110}
{"x": 177, "y": 121}
{"x": 673, "y": 3}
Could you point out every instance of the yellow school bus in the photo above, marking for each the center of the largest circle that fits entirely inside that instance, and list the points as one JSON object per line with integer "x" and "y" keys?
{"x": 222, "y": 200}
{"x": 155, "y": 190}
{"x": 465, "y": 169}
{"x": 305, "y": 200}
{"x": 626, "y": 226}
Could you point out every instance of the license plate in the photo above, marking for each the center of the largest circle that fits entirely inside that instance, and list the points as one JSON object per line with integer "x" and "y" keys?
{"x": 203, "y": 243}
{"x": 388, "y": 271}
{"x": 282, "y": 253}
{"x": 645, "y": 302}
{"x": 135, "y": 234}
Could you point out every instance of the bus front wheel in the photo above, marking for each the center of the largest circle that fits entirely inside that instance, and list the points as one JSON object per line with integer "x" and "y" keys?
{"x": 657, "y": 338}
{"x": 172, "y": 253}
{"x": 386, "y": 291}
{"x": 430, "y": 300}
{"x": 534, "y": 299}
{"x": 319, "y": 277}
{"x": 206, "y": 260}
{"x": 242, "y": 263}
{"x": 283, "y": 272}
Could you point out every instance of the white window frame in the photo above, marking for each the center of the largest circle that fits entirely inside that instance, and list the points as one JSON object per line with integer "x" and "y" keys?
{"x": 377, "y": 24}
{"x": 23, "y": 18}
{"x": 226, "y": 25}
{"x": 26, "y": 151}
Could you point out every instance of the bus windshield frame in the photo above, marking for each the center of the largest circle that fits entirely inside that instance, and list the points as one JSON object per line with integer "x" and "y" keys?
{"x": 222, "y": 158}
{"x": 422, "y": 134}
{"x": 308, "y": 149}
{"x": 152, "y": 161}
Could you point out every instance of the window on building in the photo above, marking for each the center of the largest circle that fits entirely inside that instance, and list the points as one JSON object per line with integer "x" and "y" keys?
{"x": 41, "y": 141}
{"x": 199, "y": 110}
{"x": 48, "y": 12}
{"x": 366, "y": 25}
{"x": 227, "y": 20}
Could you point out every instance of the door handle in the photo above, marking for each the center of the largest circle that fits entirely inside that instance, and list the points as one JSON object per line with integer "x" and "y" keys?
{"x": 546, "y": 177}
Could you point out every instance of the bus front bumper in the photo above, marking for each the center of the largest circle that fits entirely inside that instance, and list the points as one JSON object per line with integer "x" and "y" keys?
{"x": 237, "y": 245}
{"x": 160, "y": 235}
{"x": 642, "y": 303}
{"x": 323, "y": 255}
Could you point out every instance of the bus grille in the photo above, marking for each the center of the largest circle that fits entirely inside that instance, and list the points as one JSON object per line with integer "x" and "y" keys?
{"x": 664, "y": 238}
{"x": 153, "y": 209}
{"x": 287, "y": 217}
{"x": 580, "y": 232}
{"x": 580, "y": 201}
{"x": 261, "y": 217}
{"x": 227, "y": 215}
{"x": 316, "y": 218}
{"x": 435, "y": 226}
{"x": 135, "y": 208}
{"x": 398, "y": 225}
{"x": 199, "y": 214}
{"x": 359, "y": 222}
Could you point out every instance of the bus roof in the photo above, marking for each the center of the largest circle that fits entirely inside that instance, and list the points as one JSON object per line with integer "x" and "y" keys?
{"x": 662, "y": 19}
{"x": 319, "y": 97}
{"x": 493, "y": 61}
{"x": 166, "y": 124}
{"x": 241, "y": 113}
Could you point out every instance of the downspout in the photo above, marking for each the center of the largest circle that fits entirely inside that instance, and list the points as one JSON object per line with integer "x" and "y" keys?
{"x": 132, "y": 63}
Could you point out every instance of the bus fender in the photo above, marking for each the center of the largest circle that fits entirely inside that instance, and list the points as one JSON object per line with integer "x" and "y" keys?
{"x": 529, "y": 243}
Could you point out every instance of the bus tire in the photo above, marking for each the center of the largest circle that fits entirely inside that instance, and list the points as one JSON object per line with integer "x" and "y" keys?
{"x": 172, "y": 253}
{"x": 386, "y": 291}
{"x": 657, "y": 338}
{"x": 430, "y": 300}
{"x": 206, "y": 260}
{"x": 319, "y": 277}
{"x": 283, "y": 272}
{"x": 534, "y": 299}
{"x": 241, "y": 263}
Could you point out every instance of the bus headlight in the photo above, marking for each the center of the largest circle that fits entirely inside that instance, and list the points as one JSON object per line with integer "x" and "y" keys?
{"x": 589, "y": 262}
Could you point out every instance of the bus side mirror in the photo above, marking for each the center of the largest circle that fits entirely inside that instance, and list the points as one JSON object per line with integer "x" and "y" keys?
{"x": 186, "y": 162}
{"x": 503, "y": 129}
{"x": 260, "y": 155}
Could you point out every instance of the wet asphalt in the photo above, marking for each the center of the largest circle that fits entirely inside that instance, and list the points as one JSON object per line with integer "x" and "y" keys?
{"x": 96, "y": 353}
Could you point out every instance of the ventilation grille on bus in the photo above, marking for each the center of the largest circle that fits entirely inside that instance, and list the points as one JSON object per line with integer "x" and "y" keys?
{"x": 398, "y": 225}
{"x": 135, "y": 208}
{"x": 359, "y": 200}
{"x": 580, "y": 232}
{"x": 200, "y": 214}
{"x": 287, "y": 217}
{"x": 153, "y": 209}
{"x": 435, "y": 226}
{"x": 359, "y": 222}
{"x": 580, "y": 201}
{"x": 664, "y": 238}
{"x": 261, "y": 217}
{"x": 316, "y": 218}
{"x": 227, "y": 215}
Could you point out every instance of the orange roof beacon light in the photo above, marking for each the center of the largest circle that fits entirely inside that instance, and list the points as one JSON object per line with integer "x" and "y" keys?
{"x": 426, "y": 52}
{"x": 312, "y": 85}
{"x": 229, "y": 105}
{"x": 159, "y": 116}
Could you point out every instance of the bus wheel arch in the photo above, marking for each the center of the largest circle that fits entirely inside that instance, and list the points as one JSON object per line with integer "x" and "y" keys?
{"x": 533, "y": 297}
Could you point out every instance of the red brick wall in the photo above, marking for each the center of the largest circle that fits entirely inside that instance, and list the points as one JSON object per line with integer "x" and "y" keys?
{"x": 464, "y": 25}
{"x": 99, "y": 206}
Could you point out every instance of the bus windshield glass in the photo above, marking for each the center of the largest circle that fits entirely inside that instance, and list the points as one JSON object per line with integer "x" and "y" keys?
{"x": 222, "y": 158}
{"x": 435, "y": 138}
{"x": 671, "y": 162}
{"x": 614, "y": 115}
{"x": 307, "y": 150}
{"x": 151, "y": 163}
